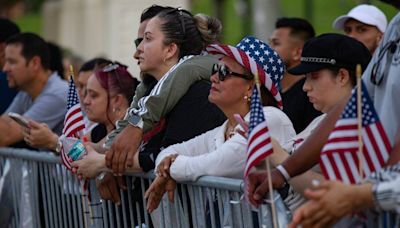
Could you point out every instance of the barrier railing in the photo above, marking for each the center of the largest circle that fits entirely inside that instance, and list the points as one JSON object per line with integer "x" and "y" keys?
{"x": 37, "y": 191}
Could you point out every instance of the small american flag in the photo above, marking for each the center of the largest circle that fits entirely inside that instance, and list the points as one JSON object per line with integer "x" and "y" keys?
{"x": 73, "y": 122}
{"x": 259, "y": 145}
{"x": 339, "y": 157}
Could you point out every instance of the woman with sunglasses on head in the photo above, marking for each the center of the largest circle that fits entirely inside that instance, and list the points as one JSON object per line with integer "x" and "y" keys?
{"x": 169, "y": 52}
{"x": 109, "y": 92}
{"x": 225, "y": 147}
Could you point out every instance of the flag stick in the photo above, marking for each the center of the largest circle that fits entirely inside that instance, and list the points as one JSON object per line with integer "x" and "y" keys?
{"x": 271, "y": 193}
{"x": 71, "y": 71}
{"x": 359, "y": 122}
{"x": 83, "y": 205}
{"x": 84, "y": 192}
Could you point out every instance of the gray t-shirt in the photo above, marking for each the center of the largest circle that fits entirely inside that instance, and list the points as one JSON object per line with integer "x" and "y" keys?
{"x": 386, "y": 95}
{"x": 49, "y": 107}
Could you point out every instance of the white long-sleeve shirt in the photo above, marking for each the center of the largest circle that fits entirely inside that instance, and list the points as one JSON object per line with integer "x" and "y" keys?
{"x": 210, "y": 154}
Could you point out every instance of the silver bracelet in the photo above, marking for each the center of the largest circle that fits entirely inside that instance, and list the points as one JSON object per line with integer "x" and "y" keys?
{"x": 283, "y": 171}
{"x": 101, "y": 176}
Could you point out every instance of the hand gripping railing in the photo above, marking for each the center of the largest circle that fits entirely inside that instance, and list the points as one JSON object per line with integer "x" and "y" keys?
{"x": 37, "y": 191}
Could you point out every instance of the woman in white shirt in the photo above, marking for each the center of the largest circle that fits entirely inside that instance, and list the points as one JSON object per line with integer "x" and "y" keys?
{"x": 223, "y": 150}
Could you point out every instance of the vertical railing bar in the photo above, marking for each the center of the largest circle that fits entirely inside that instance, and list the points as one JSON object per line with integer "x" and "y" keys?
{"x": 129, "y": 183}
{"x": 143, "y": 189}
{"x": 192, "y": 204}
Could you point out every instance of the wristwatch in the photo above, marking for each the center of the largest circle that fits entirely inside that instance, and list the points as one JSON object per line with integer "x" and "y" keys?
{"x": 135, "y": 120}
{"x": 59, "y": 145}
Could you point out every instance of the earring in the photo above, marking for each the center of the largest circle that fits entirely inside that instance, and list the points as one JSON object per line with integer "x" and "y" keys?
{"x": 116, "y": 110}
{"x": 247, "y": 98}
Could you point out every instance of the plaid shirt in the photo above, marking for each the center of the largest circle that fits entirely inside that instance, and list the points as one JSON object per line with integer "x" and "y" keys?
{"x": 386, "y": 192}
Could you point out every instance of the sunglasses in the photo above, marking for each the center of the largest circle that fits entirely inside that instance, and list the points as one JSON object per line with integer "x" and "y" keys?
{"x": 138, "y": 41}
{"x": 224, "y": 72}
{"x": 379, "y": 69}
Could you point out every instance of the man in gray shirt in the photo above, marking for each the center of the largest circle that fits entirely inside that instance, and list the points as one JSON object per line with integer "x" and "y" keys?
{"x": 42, "y": 95}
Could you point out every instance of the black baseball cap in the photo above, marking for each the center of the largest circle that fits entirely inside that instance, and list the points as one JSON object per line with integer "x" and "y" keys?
{"x": 331, "y": 50}
{"x": 7, "y": 29}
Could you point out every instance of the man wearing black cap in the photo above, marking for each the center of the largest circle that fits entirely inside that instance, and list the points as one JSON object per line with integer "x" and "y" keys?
{"x": 8, "y": 29}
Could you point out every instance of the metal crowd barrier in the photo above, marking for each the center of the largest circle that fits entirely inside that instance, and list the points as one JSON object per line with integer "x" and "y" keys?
{"x": 37, "y": 191}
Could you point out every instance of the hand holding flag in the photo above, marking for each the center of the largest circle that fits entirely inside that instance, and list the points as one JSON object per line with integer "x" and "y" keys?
{"x": 339, "y": 159}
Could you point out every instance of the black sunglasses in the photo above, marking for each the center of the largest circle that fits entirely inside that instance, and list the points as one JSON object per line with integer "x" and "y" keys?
{"x": 376, "y": 74}
{"x": 224, "y": 72}
{"x": 138, "y": 41}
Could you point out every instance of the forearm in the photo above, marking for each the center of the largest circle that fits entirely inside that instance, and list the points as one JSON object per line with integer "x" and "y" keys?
{"x": 10, "y": 131}
{"x": 300, "y": 182}
{"x": 303, "y": 181}
{"x": 52, "y": 142}
{"x": 312, "y": 146}
{"x": 363, "y": 196}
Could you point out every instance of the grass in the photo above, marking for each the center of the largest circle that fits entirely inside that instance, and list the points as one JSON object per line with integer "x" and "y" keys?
{"x": 30, "y": 22}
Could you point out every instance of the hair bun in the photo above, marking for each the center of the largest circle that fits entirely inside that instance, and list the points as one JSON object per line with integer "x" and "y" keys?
{"x": 209, "y": 27}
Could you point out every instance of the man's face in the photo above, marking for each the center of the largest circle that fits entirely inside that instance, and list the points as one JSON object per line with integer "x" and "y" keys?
{"x": 369, "y": 35}
{"x": 17, "y": 68}
{"x": 140, "y": 36}
{"x": 287, "y": 46}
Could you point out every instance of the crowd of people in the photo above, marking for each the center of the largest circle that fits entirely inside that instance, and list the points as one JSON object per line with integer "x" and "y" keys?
{"x": 194, "y": 98}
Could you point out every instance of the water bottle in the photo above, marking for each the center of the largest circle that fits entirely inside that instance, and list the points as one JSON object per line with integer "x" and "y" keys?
{"x": 73, "y": 147}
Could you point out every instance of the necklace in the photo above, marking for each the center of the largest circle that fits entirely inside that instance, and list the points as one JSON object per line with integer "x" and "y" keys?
{"x": 229, "y": 132}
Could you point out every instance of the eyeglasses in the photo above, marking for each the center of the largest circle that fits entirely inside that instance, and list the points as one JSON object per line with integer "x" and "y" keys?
{"x": 138, "y": 41}
{"x": 181, "y": 13}
{"x": 224, "y": 72}
{"x": 376, "y": 74}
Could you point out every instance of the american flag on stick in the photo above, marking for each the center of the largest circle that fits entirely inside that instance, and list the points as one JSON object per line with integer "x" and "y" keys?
{"x": 259, "y": 141}
{"x": 339, "y": 157}
{"x": 73, "y": 122}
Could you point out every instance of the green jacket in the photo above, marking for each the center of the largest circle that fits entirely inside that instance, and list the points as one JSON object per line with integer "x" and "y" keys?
{"x": 166, "y": 93}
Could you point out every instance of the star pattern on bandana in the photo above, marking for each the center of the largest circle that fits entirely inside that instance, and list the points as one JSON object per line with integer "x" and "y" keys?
{"x": 264, "y": 56}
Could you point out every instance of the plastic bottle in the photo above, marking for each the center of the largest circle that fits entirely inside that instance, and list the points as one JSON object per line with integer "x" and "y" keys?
{"x": 73, "y": 147}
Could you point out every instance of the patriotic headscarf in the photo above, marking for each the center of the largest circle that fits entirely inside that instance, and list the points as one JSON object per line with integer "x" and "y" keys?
{"x": 257, "y": 57}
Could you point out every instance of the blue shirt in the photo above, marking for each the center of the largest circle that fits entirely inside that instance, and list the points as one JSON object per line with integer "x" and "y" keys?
{"x": 48, "y": 107}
